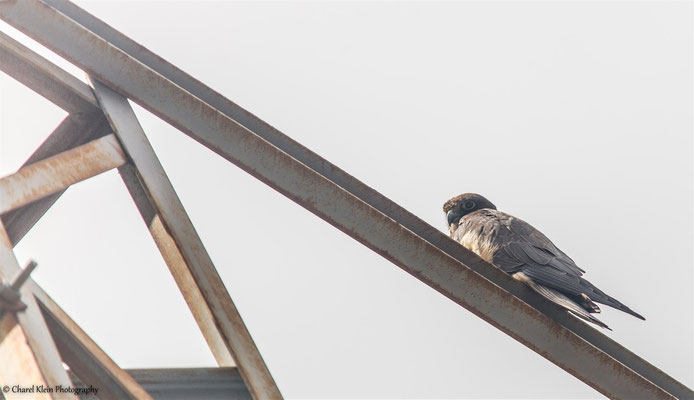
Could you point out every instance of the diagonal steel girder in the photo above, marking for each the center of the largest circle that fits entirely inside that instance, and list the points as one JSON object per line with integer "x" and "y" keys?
{"x": 75, "y": 130}
{"x": 84, "y": 357}
{"x": 175, "y": 235}
{"x": 74, "y": 96}
{"x": 85, "y": 122}
{"x": 366, "y": 194}
{"x": 20, "y": 221}
{"x": 57, "y": 173}
{"x": 349, "y": 213}
{"x": 28, "y": 353}
{"x": 45, "y": 78}
{"x": 349, "y": 183}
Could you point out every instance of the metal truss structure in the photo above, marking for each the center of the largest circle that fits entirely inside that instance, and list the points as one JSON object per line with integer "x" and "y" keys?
{"x": 101, "y": 132}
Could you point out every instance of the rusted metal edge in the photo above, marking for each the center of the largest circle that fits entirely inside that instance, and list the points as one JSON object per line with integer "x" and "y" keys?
{"x": 84, "y": 356}
{"x": 178, "y": 268}
{"x": 366, "y": 194}
{"x": 217, "y": 312}
{"x": 33, "y": 332}
{"x": 43, "y": 77}
{"x": 56, "y": 173}
{"x": 74, "y": 130}
{"x": 327, "y": 200}
{"x": 361, "y": 190}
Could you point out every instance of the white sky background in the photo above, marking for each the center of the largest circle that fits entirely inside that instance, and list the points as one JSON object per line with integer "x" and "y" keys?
{"x": 576, "y": 117}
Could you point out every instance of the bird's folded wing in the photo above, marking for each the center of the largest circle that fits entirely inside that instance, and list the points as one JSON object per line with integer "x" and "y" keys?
{"x": 549, "y": 269}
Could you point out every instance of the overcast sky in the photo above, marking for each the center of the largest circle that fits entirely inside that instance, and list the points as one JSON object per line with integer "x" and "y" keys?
{"x": 576, "y": 117}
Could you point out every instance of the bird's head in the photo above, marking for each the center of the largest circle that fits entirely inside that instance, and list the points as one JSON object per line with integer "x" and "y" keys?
{"x": 462, "y": 205}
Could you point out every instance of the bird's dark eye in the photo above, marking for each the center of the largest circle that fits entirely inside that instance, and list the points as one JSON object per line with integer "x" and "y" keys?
{"x": 469, "y": 205}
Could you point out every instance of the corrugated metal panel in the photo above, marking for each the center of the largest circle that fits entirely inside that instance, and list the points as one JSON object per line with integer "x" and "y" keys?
{"x": 186, "y": 383}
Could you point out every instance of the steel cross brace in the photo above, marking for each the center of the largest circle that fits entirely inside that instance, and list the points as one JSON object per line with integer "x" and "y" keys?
{"x": 85, "y": 122}
{"x": 74, "y": 96}
{"x": 184, "y": 252}
{"x": 28, "y": 355}
{"x": 368, "y": 195}
{"x": 602, "y": 364}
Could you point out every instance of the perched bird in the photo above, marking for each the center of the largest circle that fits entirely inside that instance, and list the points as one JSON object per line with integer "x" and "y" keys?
{"x": 526, "y": 254}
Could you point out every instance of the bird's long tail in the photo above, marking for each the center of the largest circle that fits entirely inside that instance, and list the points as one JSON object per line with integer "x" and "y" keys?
{"x": 614, "y": 303}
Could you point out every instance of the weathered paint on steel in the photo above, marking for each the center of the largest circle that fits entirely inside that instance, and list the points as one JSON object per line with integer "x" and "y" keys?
{"x": 326, "y": 199}
{"x": 19, "y": 365}
{"x": 60, "y": 171}
{"x": 15, "y": 357}
{"x": 84, "y": 356}
{"x": 75, "y": 130}
{"x": 196, "y": 275}
{"x": 43, "y": 77}
{"x": 177, "y": 265}
{"x": 367, "y": 194}
{"x": 204, "y": 123}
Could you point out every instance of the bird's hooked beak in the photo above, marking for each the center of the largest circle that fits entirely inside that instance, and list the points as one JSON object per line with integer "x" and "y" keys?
{"x": 452, "y": 217}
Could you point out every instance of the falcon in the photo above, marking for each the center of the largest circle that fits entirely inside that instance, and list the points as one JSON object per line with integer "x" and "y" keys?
{"x": 522, "y": 251}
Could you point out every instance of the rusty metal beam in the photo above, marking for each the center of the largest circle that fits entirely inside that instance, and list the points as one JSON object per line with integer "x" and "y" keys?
{"x": 180, "y": 271}
{"x": 58, "y": 172}
{"x": 85, "y": 122}
{"x": 28, "y": 355}
{"x": 184, "y": 252}
{"x": 43, "y": 77}
{"x": 164, "y": 98}
{"x": 19, "y": 366}
{"x": 365, "y": 193}
{"x": 74, "y": 130}
{"x": 84, "y": 357}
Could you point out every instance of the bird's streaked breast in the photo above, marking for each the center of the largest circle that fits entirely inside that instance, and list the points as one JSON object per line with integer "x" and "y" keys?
{"x": 475, "y": 239}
